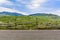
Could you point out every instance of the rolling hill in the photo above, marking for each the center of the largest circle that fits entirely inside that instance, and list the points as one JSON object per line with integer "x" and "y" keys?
{"x": 43, "y": 14}
{"x": 30, "y": 22}
{"x": 10, "y": 14}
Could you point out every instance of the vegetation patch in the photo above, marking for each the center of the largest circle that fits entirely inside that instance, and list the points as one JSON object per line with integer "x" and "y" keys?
{"x": 29, "y": 22}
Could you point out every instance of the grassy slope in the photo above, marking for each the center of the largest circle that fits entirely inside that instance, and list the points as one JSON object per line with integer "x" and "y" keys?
{"x": 30, "y": 22}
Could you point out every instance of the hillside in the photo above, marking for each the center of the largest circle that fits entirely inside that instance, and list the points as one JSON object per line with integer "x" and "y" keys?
{"x": 10, "y": 14}
{"x": 4, "y": 13}
{"x": 29, "y": 22}
{"x": 42, "y": 14}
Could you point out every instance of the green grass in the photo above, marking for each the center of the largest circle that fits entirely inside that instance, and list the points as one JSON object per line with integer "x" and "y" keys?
{"x": 29, "y": 22}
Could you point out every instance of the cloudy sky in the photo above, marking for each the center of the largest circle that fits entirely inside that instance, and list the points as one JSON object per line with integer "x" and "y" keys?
{"x": 30, "y": 6}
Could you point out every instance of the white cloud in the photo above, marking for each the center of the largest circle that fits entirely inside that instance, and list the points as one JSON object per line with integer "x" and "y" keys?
{"x": 1, "y": 1}
{"x": 35, "y": 4}
{"x": 57, "y": 12}
{"x": 5, "y": 2}
{"x": 11, "y": 10}
{"x": 22, "y": 1}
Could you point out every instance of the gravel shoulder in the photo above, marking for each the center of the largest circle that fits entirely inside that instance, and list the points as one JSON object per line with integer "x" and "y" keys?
{"x": 29, "y": 34}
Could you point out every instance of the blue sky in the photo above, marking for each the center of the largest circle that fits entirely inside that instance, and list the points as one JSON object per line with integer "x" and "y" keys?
{"x": 27, "y": 7}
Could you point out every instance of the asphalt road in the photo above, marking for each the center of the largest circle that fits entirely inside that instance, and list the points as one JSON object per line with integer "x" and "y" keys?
{"x": 29, "y": 35}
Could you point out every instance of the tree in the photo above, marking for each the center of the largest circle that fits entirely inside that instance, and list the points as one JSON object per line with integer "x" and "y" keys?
{"x": 9, "y": 25}
{"x": 37, "y": 23}
{"x": 15, "y": 22}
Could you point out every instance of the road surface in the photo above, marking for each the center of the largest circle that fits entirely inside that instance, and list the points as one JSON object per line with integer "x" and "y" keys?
{"x": 29, "y": 35}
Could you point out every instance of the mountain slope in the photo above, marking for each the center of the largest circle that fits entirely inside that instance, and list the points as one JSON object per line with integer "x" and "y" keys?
{"x": 18, "y": 14}
{"x": 9, "y": 14}
{"x": 43, "y": 14}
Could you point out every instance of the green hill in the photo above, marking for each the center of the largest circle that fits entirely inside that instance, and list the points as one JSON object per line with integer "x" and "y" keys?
{"x": 10, "y": 14}
{"x": 42, "y": 14}
{"x": 30, "y": 22}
